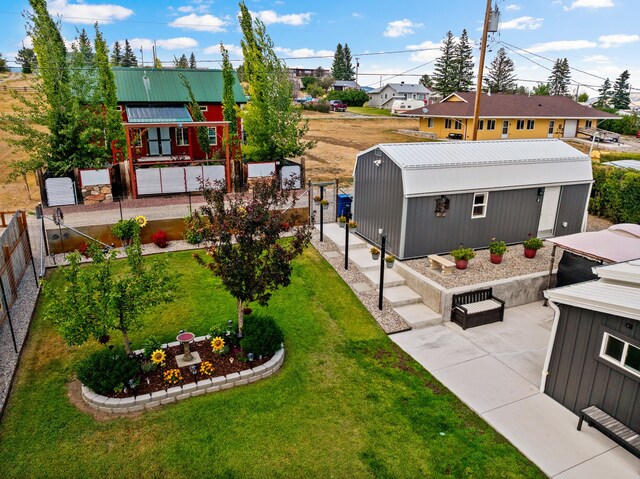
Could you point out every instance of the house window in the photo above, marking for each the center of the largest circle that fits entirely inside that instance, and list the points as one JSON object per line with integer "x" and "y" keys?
{"x": 119, "y": 107}
{"x": 204, "y": 108}
{"x": 588, "y": 123}
{"x": 430, "y": 122}
{"x": 182, "y": 137}
{"x": 480, "y": 124}
{"x": 458, "y": 125}
{"x": 621, "y": 353}
{"x": 491, "y": 124}
{"x": 213, "y": 136}
{"x": 479, "y": 205}
{"x": 552, "y": 125}
{"x": 447, "y": 123}
{"x": 531, "y": 124}
{"x": 520, "y": 125}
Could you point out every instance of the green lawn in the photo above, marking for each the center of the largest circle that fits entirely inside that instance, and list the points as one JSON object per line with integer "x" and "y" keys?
{"x": 618, "y": 155}
{"x": 365, "y": 110}
{"x": 347, "y": 403}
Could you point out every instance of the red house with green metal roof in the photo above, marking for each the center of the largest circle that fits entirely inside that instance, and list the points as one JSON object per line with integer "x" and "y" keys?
{"x": 164, "y": 156}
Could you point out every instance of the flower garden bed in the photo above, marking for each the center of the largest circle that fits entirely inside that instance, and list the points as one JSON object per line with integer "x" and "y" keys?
{"x": 229, "y": 370}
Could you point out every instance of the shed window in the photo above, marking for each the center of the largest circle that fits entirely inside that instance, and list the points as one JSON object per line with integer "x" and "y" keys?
{"x": 430, "y": 123}
{"x": 447, "y": 123}
{"x": 621, "y": 353}
{"x": 520, "y": 125}
{"x": 491, "y": 124}
{"x": 182, "y": 137}
{"x": 213, "y": 136}
{"x": 204, "y": 107}
{"x": 479, "y": 205}
{"x": 531, "y": 124}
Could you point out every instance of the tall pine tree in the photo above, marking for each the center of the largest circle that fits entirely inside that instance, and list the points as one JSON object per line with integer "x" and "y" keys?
{"x": 500, "y": 77}
{"x": 560, "y": 77}
{"x": 349, "y": 72}
{"x": 181, "y": 62}
{"x": 426, "y": 81}
{"x": 621, "y": 98}
{"x": 192, "y": 61}
{"x": 463, "y": 59}
{"x": 129, "y": 58}
{"x": 445, "y": 71}
{"x": 604, "y": 95}
{"x": 338, "y": 70}
{"x": 116, "y": 54}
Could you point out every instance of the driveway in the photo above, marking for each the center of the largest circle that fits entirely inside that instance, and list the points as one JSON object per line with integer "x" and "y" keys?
{"x": 496, "y": 370}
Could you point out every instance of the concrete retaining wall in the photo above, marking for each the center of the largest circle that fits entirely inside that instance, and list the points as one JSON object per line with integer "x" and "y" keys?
{"x": 178, "y": 393}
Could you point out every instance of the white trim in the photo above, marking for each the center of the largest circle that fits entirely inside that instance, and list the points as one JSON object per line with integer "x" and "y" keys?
{"x": 484, "y": 204}
{"x": 585, "y": 218}
{"x": 588, "y": 296}
{"x": 403, "y": 226}
{"x": 625, "y": 350}
{"x": 552, "y": 340}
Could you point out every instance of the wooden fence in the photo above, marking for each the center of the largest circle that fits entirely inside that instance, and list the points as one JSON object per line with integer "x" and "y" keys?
{"x": 21, "y": 89}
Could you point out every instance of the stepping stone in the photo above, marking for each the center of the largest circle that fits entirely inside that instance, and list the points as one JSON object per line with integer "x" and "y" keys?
{"x": 391, "y": 278}
{"x": 361, "y": 287}
{"x": 332, "y": 254}
{"x": 401, "y": 295}
{"x": 418, "y": 315}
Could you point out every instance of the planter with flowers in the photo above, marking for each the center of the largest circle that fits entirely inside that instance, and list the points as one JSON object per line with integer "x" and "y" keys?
{"x": 497, "y": 249}
{"x": 342, "y": 220}
{"x": 325, "y": 204}
{"x": 353, "y": 225}
{"x": 390, "y": 260}
{"x": 375, "y": 253}
{"x": 317, "y": 198}
{"x": 531, "y": 246}
{"x": 462, "y": 256}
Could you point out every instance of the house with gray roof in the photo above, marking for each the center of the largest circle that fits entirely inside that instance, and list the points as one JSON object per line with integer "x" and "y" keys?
{"x": 384, "y": 97}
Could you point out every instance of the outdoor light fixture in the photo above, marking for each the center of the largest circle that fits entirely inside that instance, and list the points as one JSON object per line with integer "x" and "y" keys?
{"x": 193, "y": 369}
{"x": 377, "y": 162}
{"x": 250, "y": 357}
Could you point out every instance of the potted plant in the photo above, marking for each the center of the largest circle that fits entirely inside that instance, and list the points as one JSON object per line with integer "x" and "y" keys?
{"x": 317, "y": 198}
{"x": 353, "y": 225}
{"x": 497, "y": 249}
{"x": 390, "y": 259}
{"x": 325, "y": 204}
{"x": 375, "y": 253}
{"x": 531, "y": 246}
{"x": 462, "y": 256}
{"x": 342, "y": 220}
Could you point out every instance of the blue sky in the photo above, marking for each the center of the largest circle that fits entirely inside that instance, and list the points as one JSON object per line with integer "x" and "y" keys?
{"x": 599, "y": 37}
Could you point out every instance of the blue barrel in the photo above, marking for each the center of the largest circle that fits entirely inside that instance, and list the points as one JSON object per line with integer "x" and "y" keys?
{"x": 344, "y": 204}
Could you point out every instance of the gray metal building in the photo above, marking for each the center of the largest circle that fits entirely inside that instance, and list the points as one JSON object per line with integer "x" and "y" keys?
{"x": 430, "y": 197}
{"x": 594, "y": 356}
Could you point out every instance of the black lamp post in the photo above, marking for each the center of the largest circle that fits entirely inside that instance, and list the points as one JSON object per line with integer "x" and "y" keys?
{"x": 383, "y": 241}
{"x": 347, "y": 215}
{"x": 321, "y": 213}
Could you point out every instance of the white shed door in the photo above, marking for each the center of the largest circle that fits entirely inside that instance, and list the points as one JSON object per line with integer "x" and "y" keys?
{"x": 570, "y": 128}
{"x": 60, "y": 191}
{"x": 549, "y": 210}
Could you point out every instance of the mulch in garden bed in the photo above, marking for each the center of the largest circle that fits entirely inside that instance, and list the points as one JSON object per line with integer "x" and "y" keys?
{"x": 226, "y": 364}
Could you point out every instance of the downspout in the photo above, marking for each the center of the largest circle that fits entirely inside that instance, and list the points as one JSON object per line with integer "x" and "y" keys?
{"x": 403, "y": 227}
{"x": 585, "y": 218}
{"x": 552, "y": 339}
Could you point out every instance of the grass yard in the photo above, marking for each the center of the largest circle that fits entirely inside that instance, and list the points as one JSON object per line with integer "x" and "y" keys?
{"x": 618, "y": 155}
{"x": 346, "y": 403}
{"x": 365, "y": 110}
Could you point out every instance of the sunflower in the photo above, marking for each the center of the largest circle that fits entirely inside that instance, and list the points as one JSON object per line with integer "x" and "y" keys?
{"x": 217, "y": 343}
{"x": 141, "y": 220}
{"x": 158, "y": 356}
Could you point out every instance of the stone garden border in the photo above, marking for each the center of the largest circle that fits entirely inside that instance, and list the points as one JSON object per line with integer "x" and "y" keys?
{"x": 178, "y": 393}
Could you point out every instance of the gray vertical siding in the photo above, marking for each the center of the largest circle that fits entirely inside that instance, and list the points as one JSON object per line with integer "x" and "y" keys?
{"x": 378, "y": 199}
{"x": 511, "y": 216}
{"x": 573, "y": 201}
{"x": 577, "y": 380}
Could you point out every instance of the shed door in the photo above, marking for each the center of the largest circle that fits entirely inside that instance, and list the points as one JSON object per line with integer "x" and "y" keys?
{"x": 548, "y": 212}
{"x": 570, "y": 128}
{"x": 159, "y": 141}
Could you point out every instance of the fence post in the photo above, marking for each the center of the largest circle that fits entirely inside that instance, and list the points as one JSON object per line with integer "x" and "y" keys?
{"x": 10, "y": 272}
{"x": 5, "y": 306}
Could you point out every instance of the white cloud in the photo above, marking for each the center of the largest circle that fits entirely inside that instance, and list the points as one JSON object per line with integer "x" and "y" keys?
{"x": 562, "y": 45}
{"x": 302, "y": 52}
{"x": 596, "y": 59}
{"x": 200, "y": 23}
{"x": 522, "y": 23}
{"x": 400, "y": 28}
{"x": 235, "y": 51}
{"x": 590, "y": 4}
{"x": 356, "y": 15}
{"x": 512, "y": 8}
{"x": 430, "y": 52}
{"x": 269, "y": 17}
{"x": 608, "y": 41}
{"x": 178, "y": 43}
{"x": 84, "y": 13}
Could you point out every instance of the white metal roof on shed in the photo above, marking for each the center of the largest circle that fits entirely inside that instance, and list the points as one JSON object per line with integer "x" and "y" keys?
{"x": 630, "y": 164}
{"x": 448, "y": 167}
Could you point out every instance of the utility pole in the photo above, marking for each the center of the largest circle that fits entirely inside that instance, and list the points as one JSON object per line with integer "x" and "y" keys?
{"x": 357, "y": 66}
{"x": 483, "y": 50}
{"x": 141, "y": 56}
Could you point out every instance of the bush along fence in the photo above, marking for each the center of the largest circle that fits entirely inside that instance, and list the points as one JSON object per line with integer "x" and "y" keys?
{"x": 615, "y": 194}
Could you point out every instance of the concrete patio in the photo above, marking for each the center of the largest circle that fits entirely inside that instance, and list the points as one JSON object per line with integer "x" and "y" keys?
{"x": 496, "y": 369}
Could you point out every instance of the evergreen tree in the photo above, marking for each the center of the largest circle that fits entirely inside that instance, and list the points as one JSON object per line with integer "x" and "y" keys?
{"x": 84, "y": 45}
{"x": 3, "y": 64}
{"x": 349, "y": 72}
{"x": 338, "y": 68}
{"x": 560, "y": 77}
{"x": 27, "y": 59}
{"x": 116, "y": 54}
{"x": 202, "y": 132}
{"x": 192, "y": 61}
{"x": 501, "y": 77}
{"x": 181, "y": 62}
{"x": 426, "y": 81}
{"x": 463, "y": 60}
{"x": 604, "y": 95}
{"x": 129, "y": 58}
{"x": 445, "y": 71}
{"x": 229, "y": 106}
{"x": 274, "y": 126}
{"x": 620, "y": 98}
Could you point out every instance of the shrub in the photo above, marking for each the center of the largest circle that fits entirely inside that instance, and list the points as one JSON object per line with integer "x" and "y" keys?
{"x": 150, "y": 345}
{"x": 107, "y": 369}
{"x": 262, "y": 336}
{"x": 615, "y": 194}
{"x": 497, "y": 247}
{"x": 350, "y": 97}
{"x": 194, "y": 228}
{"x": 159, "y": 238}
{"x": 463, "y": 253}
{"x": 321, "y": 106}
{"x": 533, "y": 243}
{"x": 125, "y": 229}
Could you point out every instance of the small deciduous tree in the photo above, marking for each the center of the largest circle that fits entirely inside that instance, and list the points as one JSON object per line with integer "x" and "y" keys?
{"x": 98, "y": 299}
{"x": 542, "y": 89}
{"x": 27, "y": 59}
{"x": 245, "y": 250}
{"x": 426, "y": 81}
{"x": 3, "y": 64}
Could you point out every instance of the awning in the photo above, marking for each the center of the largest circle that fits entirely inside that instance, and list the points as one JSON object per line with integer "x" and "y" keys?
{"x": 158, "y": 114}
{"x": 616, "y": 244}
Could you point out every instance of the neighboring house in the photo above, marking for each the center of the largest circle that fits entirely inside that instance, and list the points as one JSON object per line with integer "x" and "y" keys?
{"x": 385, "y": 96}
{"x": 161, "y": 132}
{"x": 594, "y": 353}
{"x": 342, "y": 85}
{"x": 440, "y": 194}
{"x": 506, "y": 116}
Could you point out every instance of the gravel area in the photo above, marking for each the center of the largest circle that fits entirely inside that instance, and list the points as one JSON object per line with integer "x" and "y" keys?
{"x": 388, "y": 319}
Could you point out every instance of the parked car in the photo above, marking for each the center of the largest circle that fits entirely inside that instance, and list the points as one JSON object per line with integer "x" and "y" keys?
{"x": 638, "y": 134}
{"x": 337, "y": 105}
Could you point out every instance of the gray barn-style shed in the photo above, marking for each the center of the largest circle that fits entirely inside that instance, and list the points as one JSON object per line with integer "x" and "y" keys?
{"x": 594, "y": 353}
{"x": 430, "y": 197}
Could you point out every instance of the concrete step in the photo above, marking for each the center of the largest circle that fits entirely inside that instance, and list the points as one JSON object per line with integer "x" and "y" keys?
{"x": 418, "y": 315}
{"x": 362, "y": 258}
{"x": 391, "y": 278}
{"x": 337, "y": 235}
{"x": 401, "y": 295}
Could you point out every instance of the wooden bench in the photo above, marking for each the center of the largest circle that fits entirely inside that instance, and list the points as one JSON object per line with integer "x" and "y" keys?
{"x": 475, "y": 308}
{"x": 612, "y": 428}
{"x": 443, "y": 264}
